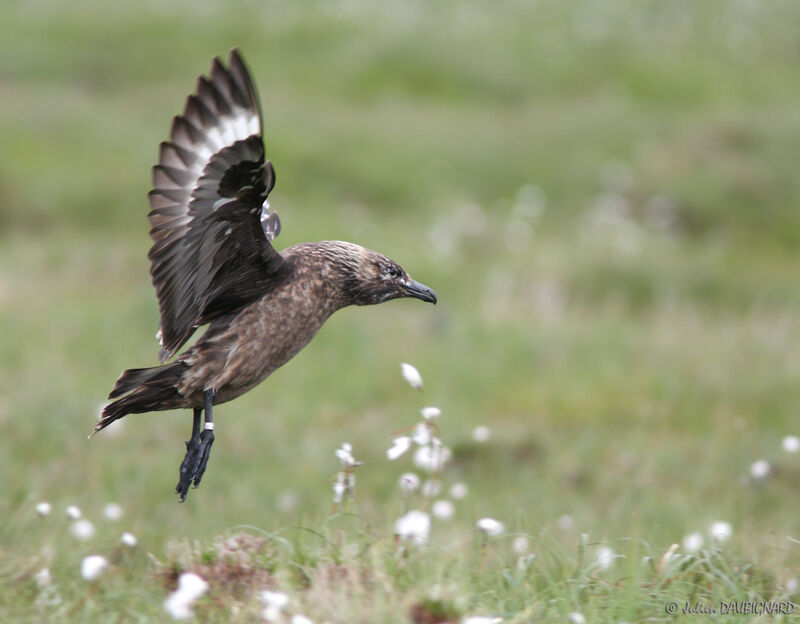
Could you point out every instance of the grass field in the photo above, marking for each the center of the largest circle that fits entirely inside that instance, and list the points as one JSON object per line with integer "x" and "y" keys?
{"x": 604, "y": 196}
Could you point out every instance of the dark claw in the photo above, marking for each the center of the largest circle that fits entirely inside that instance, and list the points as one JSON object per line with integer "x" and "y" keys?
{"x": 194, "y": 463}
{"x": 206, "y": 440}
{"x": 192, "y": 447}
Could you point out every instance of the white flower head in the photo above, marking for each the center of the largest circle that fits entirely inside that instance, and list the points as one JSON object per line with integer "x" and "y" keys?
{"x": 276, "y": 600}
{"x": 192, "y": 586}
{"x": 178, "y": 607}
{"x": 490, "y": 527}
{"x": 422, "y": 434}
{"x": 409, "y": 482}
{"x": 720, "y": 531}
{"x": 565, "y": 522}
{"x": 520, "y": 544}
{"x": 113, "y": 511}
{"x": 399, "y": 447}
{"x": 481, "y": 433}
{"x": 415, "y": 527}
{"x": 93, "y": 566}
{"x": 693, "y": 542}
{"x": 430, "y": 412}
{"x": 760, "y": 469}
{"x": 459, "y": 490}
{"x": 791, "y": 444}
{"x": 443, "y": 509}
{"x": 300, "y": 619}
{"x": 43, "y": 509}
{"x": 73, "y": 512}
{"x": 792, "y": 584}
{"x": 431, "y": 457}
{"x": 480, "y": 619}
{"x": 576, "y": 618}
{"x": 179, "y": 603}
{"x": 411, "y": 375}
{"x": 345, "y": 456}
{"x": 82, "y": 529}
{"x": 340, "y": 487}
{"x": 128, "y": 539}
{"x": 604, "y": 557}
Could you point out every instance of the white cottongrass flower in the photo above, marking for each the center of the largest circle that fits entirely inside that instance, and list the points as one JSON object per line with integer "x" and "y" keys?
{"x": 345, "y": 455}
{"x": 604, "y": 557}
{"x": 490, "y": 527}
{"x": 459, "y": 490}
{"x": 82, "y": 529}
{"x": 300, "y": 619}
{"x": 422, "y": 434}
{"x": 414, "y": 527}
{"x": 128, "y": 539}
{"x": 520, "y": 544}
{"x": 179, "y": 603}
{"x": 565, "y": 522}
{"x": 345, "y": 484}
{"x": 432, "y": 457}
{"x": 73, "y": 512}
{"x": 42, "y": 578}
{"x": 760, "y": 469}
{"x": 192, "y": 586}
{"x": 399, "y": 447}
{"x": 409, "y": 482}
{"x": 792, "y": 584}
{"x": 576, "y": 618}
{"x": 278, "y": 600}
{"x": 430, "y": 412}
{"x": 93, "y": 566}
{"x": 274, "y": 604}
{"x": 443, "y": 509}
{"x": 113, "y": 511}
{"x": 480, "y": 619}
{"x": 720, "y": 531}
{"x": 411, "y": 375}
{"x": 44, "y": 508}
{"x": 791, "y": 444}
{"x": 481, "y": 433}
{"x": 178, "y": 608}
{"x": 693, "y": 542}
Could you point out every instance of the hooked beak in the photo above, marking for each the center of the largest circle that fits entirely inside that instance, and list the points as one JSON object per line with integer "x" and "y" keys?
{"x": 419, "y": 291}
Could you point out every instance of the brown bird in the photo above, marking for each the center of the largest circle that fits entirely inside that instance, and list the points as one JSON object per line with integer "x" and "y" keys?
{"x": 212, "y": 263}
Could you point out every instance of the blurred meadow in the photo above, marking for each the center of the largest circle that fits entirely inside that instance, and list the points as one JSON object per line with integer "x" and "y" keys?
{"x": 604, "y": 196}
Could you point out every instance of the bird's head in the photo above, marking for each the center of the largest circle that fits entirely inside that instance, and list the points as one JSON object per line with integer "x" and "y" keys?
{"x": 372, "y": 278}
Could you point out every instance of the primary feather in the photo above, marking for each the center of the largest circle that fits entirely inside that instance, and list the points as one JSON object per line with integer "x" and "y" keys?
{"x": 210, "y": 220}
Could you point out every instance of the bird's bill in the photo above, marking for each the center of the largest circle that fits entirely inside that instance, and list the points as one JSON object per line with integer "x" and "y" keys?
{"x": 420, "y": 291}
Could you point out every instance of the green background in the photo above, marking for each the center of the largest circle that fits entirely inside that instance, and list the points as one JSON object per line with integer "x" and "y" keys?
{"x": 603, "y": 194}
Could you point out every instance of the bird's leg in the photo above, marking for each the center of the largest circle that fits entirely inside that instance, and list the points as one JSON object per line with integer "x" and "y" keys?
{"x": 192, "y": 447}
{"x": 198, "y": 448}
{"x": 206, "y": 438}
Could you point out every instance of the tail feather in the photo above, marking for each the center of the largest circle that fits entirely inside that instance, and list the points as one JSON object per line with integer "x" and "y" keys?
{"x": 142, "y": 390}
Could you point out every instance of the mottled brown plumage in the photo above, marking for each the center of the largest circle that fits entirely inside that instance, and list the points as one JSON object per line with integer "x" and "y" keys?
{"x": 212, "y": 262}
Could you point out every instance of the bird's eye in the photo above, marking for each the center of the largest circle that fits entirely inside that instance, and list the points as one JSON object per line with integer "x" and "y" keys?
{"x": 394, "y": 271}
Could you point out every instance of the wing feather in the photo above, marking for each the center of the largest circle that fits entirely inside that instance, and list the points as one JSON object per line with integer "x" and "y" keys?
{"x": 210, "y": 221}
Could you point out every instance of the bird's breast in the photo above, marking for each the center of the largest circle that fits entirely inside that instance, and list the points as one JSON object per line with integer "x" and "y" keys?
{"x": 267, "y": 334}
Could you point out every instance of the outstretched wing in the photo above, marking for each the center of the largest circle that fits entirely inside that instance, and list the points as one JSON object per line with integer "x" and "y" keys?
{"x": 209, "y": 217}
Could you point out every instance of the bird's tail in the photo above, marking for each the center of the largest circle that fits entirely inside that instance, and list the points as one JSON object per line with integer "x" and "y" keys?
{"x": 142, "y": 390}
